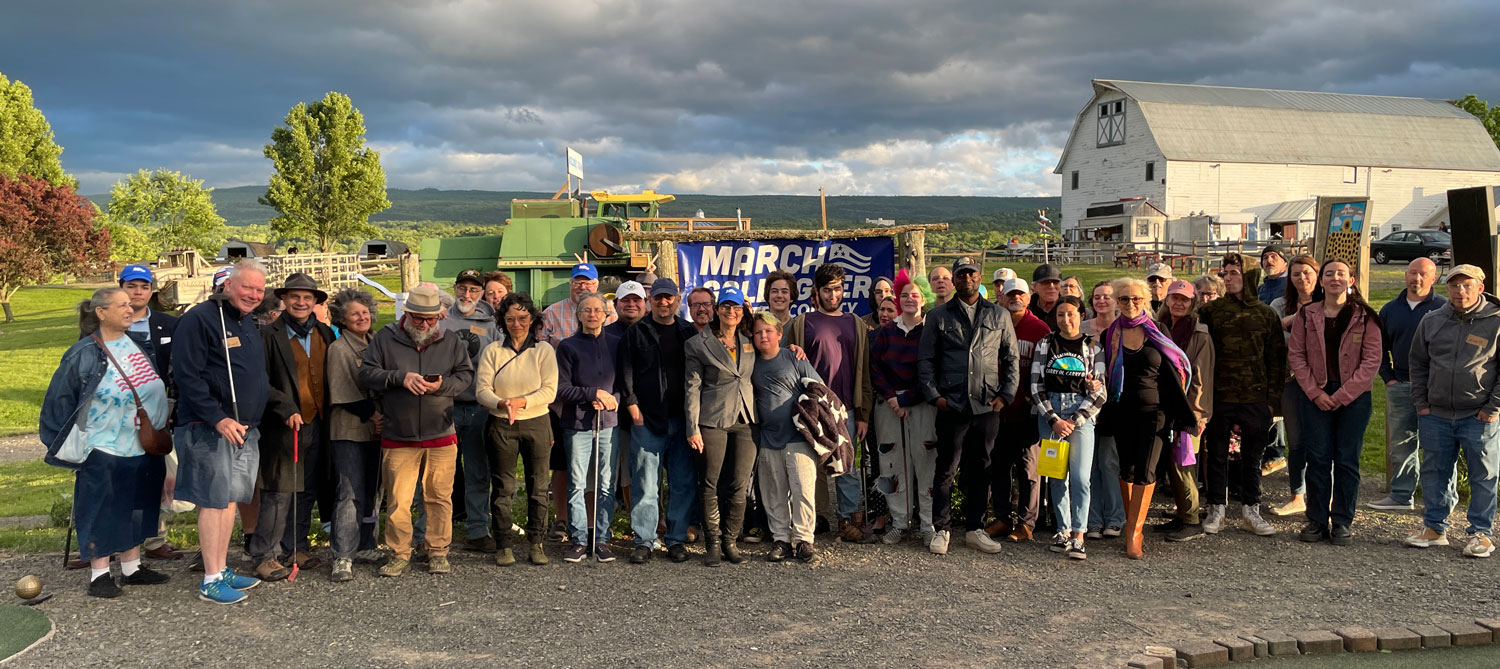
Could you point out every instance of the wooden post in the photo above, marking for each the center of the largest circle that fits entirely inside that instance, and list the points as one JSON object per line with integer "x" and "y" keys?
{"x": 916, "y": 252}
{"x": 411, "y": 271}
{"x": 666, "y": 262}
{"x": 823, "y": 204}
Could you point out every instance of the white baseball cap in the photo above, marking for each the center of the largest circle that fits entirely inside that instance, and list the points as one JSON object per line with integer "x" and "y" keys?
{"x": 630, "y": 288}
{"x": 1015, "y": 284}
{"x": 1004, "y": 274}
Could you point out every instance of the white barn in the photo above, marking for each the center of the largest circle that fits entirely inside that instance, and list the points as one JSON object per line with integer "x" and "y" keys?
{"x": 1152, "y": 161}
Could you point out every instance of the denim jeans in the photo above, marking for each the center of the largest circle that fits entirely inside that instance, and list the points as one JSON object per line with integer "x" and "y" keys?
{"x": 469, "y": 420}
{"x": 1442, "y": 439}
{"x": 1401, "y": 441}
{"x": 848, "y": 485}
{"x": 1070, "y": 497}
{"x": 1331, "y": 442}
{"x": 356, "y": 470}
{"x": 581, "y": 459}
{"x": 1106, "y": 506}
{"x": 1291, "y": 426}
{"x": 650, "y": 452}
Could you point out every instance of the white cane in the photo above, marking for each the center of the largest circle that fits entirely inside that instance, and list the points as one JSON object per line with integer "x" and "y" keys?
{"x": 234, "y": 402}
{"x": 591, "y": 521}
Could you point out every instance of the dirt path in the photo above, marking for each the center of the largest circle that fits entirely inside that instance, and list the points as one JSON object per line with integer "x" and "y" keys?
{"x": 20, "y": 447}
{"x": 866, "y": 605}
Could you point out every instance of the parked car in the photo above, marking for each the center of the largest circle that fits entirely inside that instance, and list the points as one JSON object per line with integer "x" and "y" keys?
{"x": 1413, "y": 244}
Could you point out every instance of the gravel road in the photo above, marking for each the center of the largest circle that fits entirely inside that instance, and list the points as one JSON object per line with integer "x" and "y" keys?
{"x": 21, "y": 447}
{"x": 865, "y": 605}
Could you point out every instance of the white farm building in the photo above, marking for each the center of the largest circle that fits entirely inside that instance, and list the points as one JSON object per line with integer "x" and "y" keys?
{"x": 1174, "y": 162}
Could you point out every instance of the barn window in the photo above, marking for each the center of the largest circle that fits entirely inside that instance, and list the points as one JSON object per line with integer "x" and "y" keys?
{"x": 1111, "y": 123}
{"x": 1075, "y": 179}
{"x": 1351, "y": 175}
{"x": 1151, "y": 171}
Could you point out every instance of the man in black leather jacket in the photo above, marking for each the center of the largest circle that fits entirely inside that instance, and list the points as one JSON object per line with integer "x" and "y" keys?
{"x": 967, "y": 365}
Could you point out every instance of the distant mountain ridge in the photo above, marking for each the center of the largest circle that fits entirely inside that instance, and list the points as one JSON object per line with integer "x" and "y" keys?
{"x": 239, "y": 207}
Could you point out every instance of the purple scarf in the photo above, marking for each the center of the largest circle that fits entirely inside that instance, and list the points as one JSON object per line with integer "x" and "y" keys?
{"x": 1155, "y": 337}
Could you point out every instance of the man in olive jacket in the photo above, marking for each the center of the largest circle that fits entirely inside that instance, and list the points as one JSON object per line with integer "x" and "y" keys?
{"x": 1249, "y": 374}
{"x": 967, "y": 365}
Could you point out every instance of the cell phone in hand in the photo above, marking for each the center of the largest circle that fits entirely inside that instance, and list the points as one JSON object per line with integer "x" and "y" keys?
{"x": 431, "y": 378}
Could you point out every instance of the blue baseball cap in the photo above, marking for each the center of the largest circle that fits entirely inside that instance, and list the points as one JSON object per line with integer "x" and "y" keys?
{"x": 664, "y": 286}
{"x": 135, "y": 273}
{"x": 586, "y": 271}
{"x": 731, "y": 294}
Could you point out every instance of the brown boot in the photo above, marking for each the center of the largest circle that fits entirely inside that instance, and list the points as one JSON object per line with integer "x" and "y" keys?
{"x": 1019, "y": 534}
{"x": 271, "y": 570}
{"x": 852, "y": 530}
{"x": 997, "y": 529}
{"x": 1136, "y": 507}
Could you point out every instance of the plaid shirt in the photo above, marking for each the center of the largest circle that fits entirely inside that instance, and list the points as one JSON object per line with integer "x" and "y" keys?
{"x": 560, "y": 320}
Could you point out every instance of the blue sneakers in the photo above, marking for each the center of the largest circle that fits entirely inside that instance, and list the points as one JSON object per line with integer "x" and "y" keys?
{"x": 236, "y": 581}
{"x": 219, "y": 592}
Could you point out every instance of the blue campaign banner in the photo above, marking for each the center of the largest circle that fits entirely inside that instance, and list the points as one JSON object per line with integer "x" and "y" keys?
{"x": 746, "y": 264}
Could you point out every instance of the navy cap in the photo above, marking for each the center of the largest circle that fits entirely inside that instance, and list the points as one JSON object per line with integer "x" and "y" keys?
{"x": 965, "y": 264}
{"x": 664, "y": 286}
{"x": 731, "y": 293}
{"x": 135, "y": 273}
{"x": 586, "y": 271}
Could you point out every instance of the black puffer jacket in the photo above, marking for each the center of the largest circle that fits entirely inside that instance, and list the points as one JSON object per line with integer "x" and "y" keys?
{"x": 968, "y": 364}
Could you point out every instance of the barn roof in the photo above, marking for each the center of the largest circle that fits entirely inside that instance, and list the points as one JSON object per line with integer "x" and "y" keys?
{"x": 1259, "y": 125}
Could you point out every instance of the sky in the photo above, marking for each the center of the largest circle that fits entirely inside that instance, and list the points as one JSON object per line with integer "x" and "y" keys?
{"x": 864, "y": 97}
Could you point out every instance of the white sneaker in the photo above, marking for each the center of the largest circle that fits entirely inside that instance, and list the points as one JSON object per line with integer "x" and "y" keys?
{"x": 1480, "y": 546}
{"x": 981, "y": 541}
{"x": 939, "y": 543}
{"x": 1215, "y": 519}
{"x": 1254, "y": 523}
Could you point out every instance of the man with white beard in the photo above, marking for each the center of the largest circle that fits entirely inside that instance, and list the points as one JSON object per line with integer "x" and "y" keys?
{"x": 417, "y": 369}
{"x": 472, "y": 319}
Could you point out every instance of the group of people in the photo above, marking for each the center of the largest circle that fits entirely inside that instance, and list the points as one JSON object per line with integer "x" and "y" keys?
{"x": 733, "y": 425}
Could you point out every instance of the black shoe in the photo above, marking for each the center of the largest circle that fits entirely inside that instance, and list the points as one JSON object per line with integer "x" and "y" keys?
{"x": 105, "y": 587}
{"x": 1341, "y": 535}
{"x": 807, "y": 554}
{"x": 677, "y": 553}
{"x": 732, "y": 553}
{"x": 780, "y": 550}
{"x": 1187, "y": 533}
{"x": 712, "y": 556}
{"x": 602, "y": 553}
{"x": 822, "y": 526}
{"x": 1314, "y": 532}
{"x": 641, "y": 555}
{"x": 575, "y": 553}
{"x": 1168, "y": 527}
{"x": 485, "y": 544}
{"x": 146, "y": 576}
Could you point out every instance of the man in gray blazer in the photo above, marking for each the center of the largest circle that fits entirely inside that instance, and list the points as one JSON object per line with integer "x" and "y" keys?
{"x": 967, "y": 365}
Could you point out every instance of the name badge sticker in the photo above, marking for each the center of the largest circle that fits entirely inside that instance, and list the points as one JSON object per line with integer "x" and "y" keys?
{"x": 1476, "y": 340}
{"x": 166, "y": 340}
{"x": 476, "y": 330}
{"x": 232, "y": 342}
{"x": 1358, "y": 337}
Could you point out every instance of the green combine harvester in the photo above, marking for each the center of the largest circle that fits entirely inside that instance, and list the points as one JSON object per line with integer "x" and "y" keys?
{"x": 543, "y": 239}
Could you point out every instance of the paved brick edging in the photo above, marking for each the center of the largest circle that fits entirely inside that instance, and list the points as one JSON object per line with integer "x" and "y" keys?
{"x": 1227, "y": 649}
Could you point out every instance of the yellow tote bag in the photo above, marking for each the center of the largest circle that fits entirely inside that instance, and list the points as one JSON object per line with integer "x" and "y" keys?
{"x": 1053, "y": 463}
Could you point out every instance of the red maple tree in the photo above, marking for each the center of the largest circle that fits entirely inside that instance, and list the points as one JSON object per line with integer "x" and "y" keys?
{"x": 45, "y": 230}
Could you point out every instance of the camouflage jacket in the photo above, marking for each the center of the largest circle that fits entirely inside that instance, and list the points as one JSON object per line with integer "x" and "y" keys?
{"x": 1249, "y": 349}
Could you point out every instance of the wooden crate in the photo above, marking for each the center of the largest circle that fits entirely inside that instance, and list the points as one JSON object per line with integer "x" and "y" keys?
{"x": 332, "y": 271}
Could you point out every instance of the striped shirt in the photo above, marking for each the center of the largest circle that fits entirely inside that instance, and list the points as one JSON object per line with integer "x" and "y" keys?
{"x": 1054, "y": 367}
{"x": 893, "y": 362}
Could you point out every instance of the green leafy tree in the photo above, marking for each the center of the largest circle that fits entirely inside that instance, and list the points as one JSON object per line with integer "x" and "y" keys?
{"x": 1488, "y": 115}
{"x": 128, "y": 243}
{"x": 26, "y": 145}
{"x": 327, "y": 183}
{"x": 174, "y": 210}
{"x": 45, "y": 230}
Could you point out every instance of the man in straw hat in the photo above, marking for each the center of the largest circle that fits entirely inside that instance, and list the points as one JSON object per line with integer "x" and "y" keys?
{"x": 291, "y": 443}
{"x": 418, "y": 370}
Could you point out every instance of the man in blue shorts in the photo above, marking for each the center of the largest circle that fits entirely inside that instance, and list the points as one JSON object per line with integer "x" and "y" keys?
{"x": 218, "y": 362}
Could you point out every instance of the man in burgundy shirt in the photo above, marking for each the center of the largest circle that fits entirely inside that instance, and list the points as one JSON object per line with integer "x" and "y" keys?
{"x": 1015, "y": 453}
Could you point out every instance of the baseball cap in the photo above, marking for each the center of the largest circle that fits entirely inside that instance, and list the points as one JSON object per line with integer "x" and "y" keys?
{"x": 586, "y": 271}
{"x": 135, "y": 273}
{"x": 1046, "y": 272}
{"x": 1183, "y": 288}
{"x": 221, "y": 275}
{"x": 1004, "y": 274}
{"x": 732, "y": 294}
{"x": 1013, "y": 285}
{"x": 1464, "y": 270}
{"x": 1161, "y": 270}
{"x": 965, "y": 264}
{"x": 630, "y": 288}
{"x": 664, "y": 286}
{"x": 470, "y": 275}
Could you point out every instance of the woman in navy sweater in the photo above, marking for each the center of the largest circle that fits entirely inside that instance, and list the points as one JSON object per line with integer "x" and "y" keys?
{"x": 590, "y": 412}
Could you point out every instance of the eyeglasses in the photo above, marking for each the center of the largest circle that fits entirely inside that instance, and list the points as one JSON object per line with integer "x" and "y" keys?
{"x": 697, "y": 305}
{"x": 423, "y": 320}
{"x": 591, "y": 310}
{"x": 517, "y": 320}
{"x": 728, "y": 305}
{"x": 1156, "y": 279}
{"x": 1127, "y": 299}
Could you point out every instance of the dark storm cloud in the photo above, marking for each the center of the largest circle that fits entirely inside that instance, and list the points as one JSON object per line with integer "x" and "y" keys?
{"x": 883, "y": 97}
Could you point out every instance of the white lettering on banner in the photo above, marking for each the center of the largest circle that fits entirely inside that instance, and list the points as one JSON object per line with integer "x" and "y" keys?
{"x": 715, "y": 259}
{"x": 744, "y": 258}
{"x": 843, "y": 254}
{"x": 765, "y": 259}
{"x": 787, "y": 264}
{"x": 861, "y": 286}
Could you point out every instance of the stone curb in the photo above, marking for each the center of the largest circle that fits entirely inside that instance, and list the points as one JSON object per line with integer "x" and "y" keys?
{"x": 1240, "y": 647}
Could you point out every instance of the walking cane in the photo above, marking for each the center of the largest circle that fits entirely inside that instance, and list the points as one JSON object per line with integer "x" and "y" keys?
{"x": 234, "y": 401}
{"x": 595, "y": 548}
{"x": 295, "y": 539}
{"x": 68, "y": 543}
{"x": 906, "y": 477}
